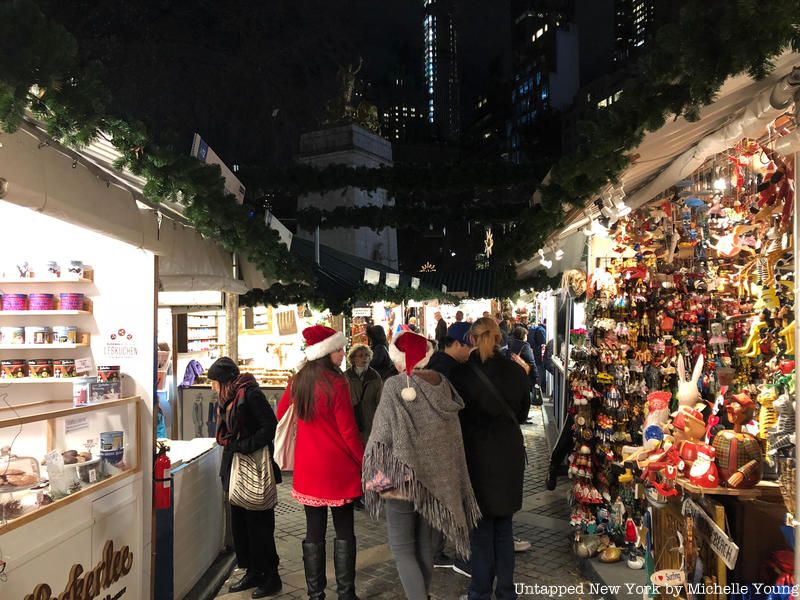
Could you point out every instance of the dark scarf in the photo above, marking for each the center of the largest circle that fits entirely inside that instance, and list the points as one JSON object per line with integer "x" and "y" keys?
{"x": 228, "y": 427}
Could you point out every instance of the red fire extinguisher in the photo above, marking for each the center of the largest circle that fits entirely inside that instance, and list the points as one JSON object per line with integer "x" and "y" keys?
{"x": 161, "y": 478}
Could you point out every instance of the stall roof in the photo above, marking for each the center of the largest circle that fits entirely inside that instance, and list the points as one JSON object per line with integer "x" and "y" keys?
{"x": 475, "y": 284}
{"x": 69, "y": 185}
{"x": 673, "y": 152}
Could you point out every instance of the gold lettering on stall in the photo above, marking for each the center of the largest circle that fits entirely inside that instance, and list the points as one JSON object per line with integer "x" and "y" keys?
{"x": 88, "y": 585}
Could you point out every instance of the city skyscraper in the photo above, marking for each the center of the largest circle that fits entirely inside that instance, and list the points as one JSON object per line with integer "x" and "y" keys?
{"x": 443, "y": 110}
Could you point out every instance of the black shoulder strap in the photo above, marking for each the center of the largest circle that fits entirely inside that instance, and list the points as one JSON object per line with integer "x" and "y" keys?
{"x": 492, "y": 389}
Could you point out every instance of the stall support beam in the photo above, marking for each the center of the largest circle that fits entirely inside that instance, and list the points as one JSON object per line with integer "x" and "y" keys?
{"x": 232, "y": 326}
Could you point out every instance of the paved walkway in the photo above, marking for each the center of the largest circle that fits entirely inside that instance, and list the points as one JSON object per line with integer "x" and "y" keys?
{"x": 543, "y": 521}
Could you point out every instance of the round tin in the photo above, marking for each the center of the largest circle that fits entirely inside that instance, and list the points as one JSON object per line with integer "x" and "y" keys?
{"x": 71, "y": 301}
{"x": 12, "y": 335}
{"x": 15, "y": 301}
{"x": 14, "y": 368}
{"x": 40, "y": 368}
{"x": 37, "y": 335}
{"x": 40, "y": 302}
{"x": 64, "y": 334}
{"x": 111, "y": 446}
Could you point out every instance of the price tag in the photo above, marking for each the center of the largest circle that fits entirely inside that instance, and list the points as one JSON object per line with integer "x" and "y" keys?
{"x": 92, "y": 475}
{"x": 83, "y": 366}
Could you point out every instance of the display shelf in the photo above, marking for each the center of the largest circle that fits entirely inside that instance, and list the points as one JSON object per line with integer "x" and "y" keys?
{"x": 42, "y": 313}
{"x": 66, "y": 412}
{"x": 39, "y": 380}
{"x": 198, "y": 339}
{"x": 64, "y": 279}
{"x": 42, "y": 346}
{"x": 764, "y": 488}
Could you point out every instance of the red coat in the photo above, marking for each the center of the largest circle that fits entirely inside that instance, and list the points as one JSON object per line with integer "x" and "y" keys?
{"x": 328, "y": 450}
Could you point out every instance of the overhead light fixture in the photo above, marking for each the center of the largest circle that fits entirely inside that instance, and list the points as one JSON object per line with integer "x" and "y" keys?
{"x": 720, "y": 184}
{"x": 559, "y": 254}
{"x": 547, "y": 264}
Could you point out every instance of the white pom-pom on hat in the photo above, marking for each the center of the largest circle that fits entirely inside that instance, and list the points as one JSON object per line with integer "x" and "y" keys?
{"x": 408, "y": 352}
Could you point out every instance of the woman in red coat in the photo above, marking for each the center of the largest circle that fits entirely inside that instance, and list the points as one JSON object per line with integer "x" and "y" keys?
{"x": 328, "y": 456}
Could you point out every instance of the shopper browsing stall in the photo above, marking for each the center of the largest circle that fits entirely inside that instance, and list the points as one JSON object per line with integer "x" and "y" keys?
{"x": 328, "y": 456}
{"x": 365, "y": 387}
{"x": 415, "y": 466}
{"x": 246, "y": 423}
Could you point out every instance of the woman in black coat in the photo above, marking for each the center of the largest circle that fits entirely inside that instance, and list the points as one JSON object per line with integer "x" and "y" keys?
{"x": 490, "y": 424}
{"x": 246, "y": 423}
{"x": 379, "y": 345}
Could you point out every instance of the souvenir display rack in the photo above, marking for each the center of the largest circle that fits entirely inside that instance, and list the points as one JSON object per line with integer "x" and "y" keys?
{"x": 691, "y": 335}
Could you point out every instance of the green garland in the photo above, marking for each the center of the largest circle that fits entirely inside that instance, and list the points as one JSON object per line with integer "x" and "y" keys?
{"x": 71, "y": 100}
{"x": 279, "y": 294}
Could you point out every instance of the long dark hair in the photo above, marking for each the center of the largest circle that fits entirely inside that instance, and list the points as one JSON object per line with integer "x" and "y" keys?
{"x": 305, "y": 382}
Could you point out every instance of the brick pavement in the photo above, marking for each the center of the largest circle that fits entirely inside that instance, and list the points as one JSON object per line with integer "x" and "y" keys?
{"x": 543, "y": 521}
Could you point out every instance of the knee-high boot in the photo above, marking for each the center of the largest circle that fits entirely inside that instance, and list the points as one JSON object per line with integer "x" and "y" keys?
{"x": 344, "y": 559}
{"x": 314, "y": 567}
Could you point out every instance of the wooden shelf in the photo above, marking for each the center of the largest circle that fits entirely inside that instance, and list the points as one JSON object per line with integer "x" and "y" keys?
{"x": 42, "y": 313}
{"x": 764, "y": 488}
{"x": 42, "y": 346}
{"x": 17, "y": 380}
{"x": 63, "y": 279}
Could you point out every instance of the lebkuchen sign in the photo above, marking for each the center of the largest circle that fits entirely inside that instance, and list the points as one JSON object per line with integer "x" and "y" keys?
{"x": 85, "y": 585}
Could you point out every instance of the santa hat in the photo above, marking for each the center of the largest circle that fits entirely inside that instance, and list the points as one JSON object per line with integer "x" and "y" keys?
{"x": 410, "y": 351}
{"x": 321, "y": 341}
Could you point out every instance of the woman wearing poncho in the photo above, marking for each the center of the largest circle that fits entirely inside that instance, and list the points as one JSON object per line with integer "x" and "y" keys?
{"x": 414, "y": 465}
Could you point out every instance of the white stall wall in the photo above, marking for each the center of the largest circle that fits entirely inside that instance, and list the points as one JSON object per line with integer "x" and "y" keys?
{"x": 123, "y": 297}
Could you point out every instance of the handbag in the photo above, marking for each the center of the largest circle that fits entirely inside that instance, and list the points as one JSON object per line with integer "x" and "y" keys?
{"x": 285, "y": 439}
{"x": 252, "y": 483}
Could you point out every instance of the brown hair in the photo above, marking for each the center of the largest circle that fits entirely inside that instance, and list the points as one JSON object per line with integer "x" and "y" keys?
{"x": 304, "y": 385}
{"x": 487, "y": 337}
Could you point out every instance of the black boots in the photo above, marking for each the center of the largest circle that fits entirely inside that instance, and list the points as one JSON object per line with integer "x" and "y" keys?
{"x": 314, "y": 566}
{"x": 250, "y": 580}
{"x": 344, "y": 559}
{"x": 269, "y": 586}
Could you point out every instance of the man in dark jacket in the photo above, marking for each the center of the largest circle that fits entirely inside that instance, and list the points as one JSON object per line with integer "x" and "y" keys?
{"x": 450, "y": 354}
{"x": 459, "y": 329}
{"x": 537, "y": 338}
{"x": 441, "y": 329}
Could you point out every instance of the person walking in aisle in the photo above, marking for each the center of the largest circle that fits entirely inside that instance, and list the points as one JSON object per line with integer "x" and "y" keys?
{"x": 365, "y": 387}
{"x": 376, "y": 335}
{"x": 328, "y": 456}
{"x": 246, "y": 423}
{"x": 496, "y": 393}
{"x": 415, "y": 465}
{"x": 441, "y": 329}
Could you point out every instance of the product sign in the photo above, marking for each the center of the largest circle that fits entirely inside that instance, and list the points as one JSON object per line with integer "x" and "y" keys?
{"x": 668, "y": 578}
{"x": 717, "y": 539}
{"x": 120, "y": 343}
{"x": 85, "y": 585}
{"x": 362, "y": 312}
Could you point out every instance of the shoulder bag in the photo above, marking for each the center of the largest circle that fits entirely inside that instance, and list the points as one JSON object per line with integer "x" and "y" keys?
{"x": 252, "y": 483}
{"x": 285, "y": 438}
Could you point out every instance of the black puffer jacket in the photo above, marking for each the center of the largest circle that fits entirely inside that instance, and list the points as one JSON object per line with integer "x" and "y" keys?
{"x": 492, "y": 440}
{"x": 258, "y": 424}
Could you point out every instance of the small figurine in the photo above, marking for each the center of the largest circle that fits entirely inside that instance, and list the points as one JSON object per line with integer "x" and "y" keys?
{"x": 739, "y": 455}
{"x": 688, "y": 393}
{"x": 617, "y": 514}
{"x": 631, "y": 533}
{"x": 688, "y": 429}
{"x": 704, "y": 470}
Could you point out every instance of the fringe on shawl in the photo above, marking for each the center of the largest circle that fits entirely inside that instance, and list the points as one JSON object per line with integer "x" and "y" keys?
{"x": 380, "y": 458}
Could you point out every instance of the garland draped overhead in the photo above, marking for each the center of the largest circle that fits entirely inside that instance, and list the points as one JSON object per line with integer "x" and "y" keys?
{"x": 680, "y": 71}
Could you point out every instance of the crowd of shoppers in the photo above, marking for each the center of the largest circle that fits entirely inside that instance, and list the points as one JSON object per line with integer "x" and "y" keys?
{"x": 427, "y": 432}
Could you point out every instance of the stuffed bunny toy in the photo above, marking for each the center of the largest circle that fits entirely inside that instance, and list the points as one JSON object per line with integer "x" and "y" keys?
{"x": 688, "y": 393}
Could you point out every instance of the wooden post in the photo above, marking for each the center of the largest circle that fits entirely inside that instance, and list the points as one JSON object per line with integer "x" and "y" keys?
{"x": 232, "y": 326}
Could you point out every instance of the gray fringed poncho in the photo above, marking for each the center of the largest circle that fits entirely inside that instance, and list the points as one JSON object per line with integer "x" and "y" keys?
{"x": 417, "y": 445}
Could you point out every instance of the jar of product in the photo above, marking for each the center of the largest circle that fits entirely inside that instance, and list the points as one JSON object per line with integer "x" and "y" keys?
{"x": 71, "y": 301}
{"x": 40, "y": 368}
{"x": 65, "y": 334}
{"x": 12, "y": 335}
{"x": 14, "y": 368}
{"x": 37, "y": 335}
{"x": 15, "y": 301}
{"x": 41, "y": 302}
{"x": 63, "y": 367}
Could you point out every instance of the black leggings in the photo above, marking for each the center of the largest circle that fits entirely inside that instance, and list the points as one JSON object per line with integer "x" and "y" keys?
{"x": 317, "y": 522}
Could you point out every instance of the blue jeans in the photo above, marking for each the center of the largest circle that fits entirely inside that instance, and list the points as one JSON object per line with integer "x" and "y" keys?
{"x": 492, "y": 543}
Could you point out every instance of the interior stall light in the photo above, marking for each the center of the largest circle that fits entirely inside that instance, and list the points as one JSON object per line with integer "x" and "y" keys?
{"x": 599, "y": 228}
{"x": 547, "y": 264}
{"x": 559, "y": 254}
{"x": 720, "y": 184}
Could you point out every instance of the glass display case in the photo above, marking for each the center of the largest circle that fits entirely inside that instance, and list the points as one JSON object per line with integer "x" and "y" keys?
{"x": 55, "y": 453}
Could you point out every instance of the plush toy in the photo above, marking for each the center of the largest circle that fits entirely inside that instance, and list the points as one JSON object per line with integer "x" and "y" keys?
{"x": 688, "y": 393}
{"x": 739, "y": 455}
